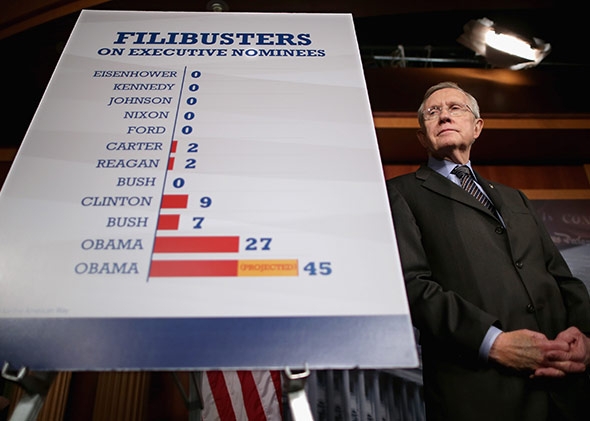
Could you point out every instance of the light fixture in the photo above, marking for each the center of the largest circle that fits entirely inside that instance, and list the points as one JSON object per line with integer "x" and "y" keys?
{"x": 502, "y": 47}
{"x": 217, "y": 6}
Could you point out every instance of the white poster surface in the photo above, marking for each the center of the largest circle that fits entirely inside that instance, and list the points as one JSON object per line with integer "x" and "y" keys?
{"x": 209, "y": 180}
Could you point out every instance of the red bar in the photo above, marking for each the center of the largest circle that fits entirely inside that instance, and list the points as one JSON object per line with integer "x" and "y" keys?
{"x": 174, "y": 201}
{"x": 170, "y": 163}
{"x": 168, "y": 222}
{"x": 197, "y": 244}
{"x": 173, "y": 149}
{"x": 194, "y": 268}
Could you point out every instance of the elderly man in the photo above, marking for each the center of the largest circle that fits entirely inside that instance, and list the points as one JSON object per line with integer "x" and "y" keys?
{"x": 503, "y": 323}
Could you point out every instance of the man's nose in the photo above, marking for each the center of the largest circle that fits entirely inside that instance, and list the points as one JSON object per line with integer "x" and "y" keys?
{"x": 444, "y": 115}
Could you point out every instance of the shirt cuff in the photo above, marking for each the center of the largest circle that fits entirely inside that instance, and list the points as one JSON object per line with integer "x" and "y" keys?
{"x": 488, "y": 341}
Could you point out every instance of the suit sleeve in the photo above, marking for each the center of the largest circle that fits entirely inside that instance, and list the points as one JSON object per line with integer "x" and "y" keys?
{"x": 439, "y": 315}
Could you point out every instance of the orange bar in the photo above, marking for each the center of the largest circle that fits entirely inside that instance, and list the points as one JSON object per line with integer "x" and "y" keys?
{"x": 197, "y": 244}
{"x": 178, "y": 268}
{"x": 168, "y": 222}
{"x": 174, "y": 201}
{"x": 268, "y": 267}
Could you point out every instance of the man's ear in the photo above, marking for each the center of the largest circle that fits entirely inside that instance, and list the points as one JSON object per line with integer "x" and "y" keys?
{"x": 478, "y": 128}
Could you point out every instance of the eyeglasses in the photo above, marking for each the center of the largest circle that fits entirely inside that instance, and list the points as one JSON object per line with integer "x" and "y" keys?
{"x": 454, "y": 110}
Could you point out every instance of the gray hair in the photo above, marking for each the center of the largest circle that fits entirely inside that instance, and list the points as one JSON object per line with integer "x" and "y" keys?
{"x": 471, "y": 101}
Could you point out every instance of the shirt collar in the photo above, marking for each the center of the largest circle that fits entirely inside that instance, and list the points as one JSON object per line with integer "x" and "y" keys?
{"x": 444, "y": 167}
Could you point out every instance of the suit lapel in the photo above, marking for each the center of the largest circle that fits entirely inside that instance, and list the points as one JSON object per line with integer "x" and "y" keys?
{"x": 491, "y": 191}
{"x": 437, "y": 183}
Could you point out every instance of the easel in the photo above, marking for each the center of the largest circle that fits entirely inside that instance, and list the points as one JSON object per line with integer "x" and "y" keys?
{"x": 298, "y": 402}
{"x": 194, "y": 399}
{"x": 36, "y": 386}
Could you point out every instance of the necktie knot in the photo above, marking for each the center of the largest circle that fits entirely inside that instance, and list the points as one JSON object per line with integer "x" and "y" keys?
{"x": 461, "y": 171}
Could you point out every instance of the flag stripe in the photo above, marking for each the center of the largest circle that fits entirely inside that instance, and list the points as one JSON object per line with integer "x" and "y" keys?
{"x": 242, "y": 396}
{"x": 252, "y": 403}
{"x": 221, "y": 396}
{"x": 277, "y": 382}
{"x": 270, "y": 390}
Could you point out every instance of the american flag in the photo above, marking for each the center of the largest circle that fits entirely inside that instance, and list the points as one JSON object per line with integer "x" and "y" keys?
{"x": 242, "y": 396}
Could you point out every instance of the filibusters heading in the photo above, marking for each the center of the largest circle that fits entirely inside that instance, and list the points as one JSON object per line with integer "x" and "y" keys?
{"x": 212, "y": 38}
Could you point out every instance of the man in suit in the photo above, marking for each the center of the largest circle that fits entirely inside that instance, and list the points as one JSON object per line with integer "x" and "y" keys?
{"x": 502, "y": 322}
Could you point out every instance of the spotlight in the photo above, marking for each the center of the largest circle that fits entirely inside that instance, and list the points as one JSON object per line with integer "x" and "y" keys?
{"x": 502, "y": 47}
{"x": 217, "y": 6}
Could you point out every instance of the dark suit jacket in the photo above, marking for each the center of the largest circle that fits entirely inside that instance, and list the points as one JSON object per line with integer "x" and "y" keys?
{"x": 465, "y": 271}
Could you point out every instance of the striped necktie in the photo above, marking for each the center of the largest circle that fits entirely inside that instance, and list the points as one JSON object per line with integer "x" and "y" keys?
{"x": 468, "y": 183}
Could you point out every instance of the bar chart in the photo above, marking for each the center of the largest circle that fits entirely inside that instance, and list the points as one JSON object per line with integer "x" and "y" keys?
{"x": 171, "y": 239}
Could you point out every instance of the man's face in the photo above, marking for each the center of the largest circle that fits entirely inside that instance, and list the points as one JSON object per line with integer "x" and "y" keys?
{"x": 449, "y": 136}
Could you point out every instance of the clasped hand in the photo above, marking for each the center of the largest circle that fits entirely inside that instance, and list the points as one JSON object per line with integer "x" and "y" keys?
{"x": 526, "y": 350}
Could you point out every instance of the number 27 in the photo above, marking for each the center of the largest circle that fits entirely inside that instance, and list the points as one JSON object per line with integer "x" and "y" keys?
{"x": 256, "y": 244}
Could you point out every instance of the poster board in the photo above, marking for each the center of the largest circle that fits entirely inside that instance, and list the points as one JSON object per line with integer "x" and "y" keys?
{"x": 202, "y": 190}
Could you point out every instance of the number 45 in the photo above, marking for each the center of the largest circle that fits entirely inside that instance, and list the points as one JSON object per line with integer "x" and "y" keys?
{"x": 320, "y": 268}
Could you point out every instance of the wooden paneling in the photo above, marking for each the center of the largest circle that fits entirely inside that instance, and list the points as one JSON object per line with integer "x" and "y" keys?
{"x": 82, "y": 395}
{"x": 390, "y": 171}
{"x": 557, "y": 194}
{"x": 530, "y": 117}
{"x": 166, "y": 400}
{"x": 537, "y": 177}
{"x": 121, "y": 396}
{"x": 18, "y": 16}
{"x": 532, "y": 93}
{"x": 496, "y": 146}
